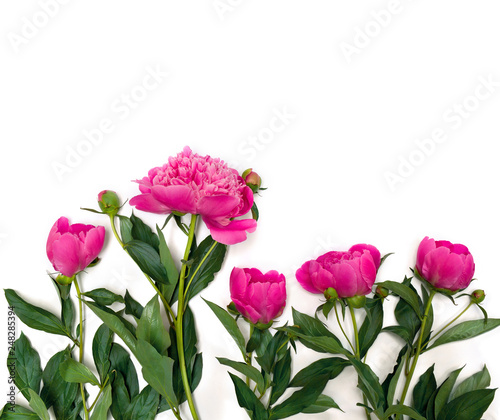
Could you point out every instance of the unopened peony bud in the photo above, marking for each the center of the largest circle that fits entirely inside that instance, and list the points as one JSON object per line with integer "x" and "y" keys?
{"x": 252, "y": 179}
{"x": 381, "y": 292}
{"x": 477, "y": 296}
{"x": 331, "y": 293}
{"x": 64, "y": 280}
{"x": 357, "y": 301}
{"x": 109, "y": 202}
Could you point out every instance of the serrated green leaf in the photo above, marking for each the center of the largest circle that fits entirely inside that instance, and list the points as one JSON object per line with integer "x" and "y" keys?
{"x": 34, "y": 316}
{"x": 150, "y": 327}
{"x": 100, "y": 411}
{"x": 103, "y": 297}
{"x": 465, "y": 330}
{"x": 38, "y": 405}
{"x": 229, "y": 324}
{"x": 76, "y": 372}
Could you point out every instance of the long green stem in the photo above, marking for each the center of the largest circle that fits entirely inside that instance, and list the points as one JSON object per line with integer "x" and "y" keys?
{"x": 357, "y": 351}
{"x": 248, "y": 357}
{"x": 180, "y": 316}
{"x": 419, "y": 347}
{"x": 342, "y": 328}
{"x": 80, "y": 355}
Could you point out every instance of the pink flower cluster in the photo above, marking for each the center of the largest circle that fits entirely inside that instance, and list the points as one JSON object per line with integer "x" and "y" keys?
{"x": 190, "y": 183}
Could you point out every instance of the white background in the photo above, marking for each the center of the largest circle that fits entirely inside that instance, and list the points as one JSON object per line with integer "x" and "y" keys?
{"x": 358, "y": 95}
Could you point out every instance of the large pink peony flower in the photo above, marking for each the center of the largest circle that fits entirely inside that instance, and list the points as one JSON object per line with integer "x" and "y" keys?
{"x": 71, "y": 248}
{"x": 350, "y": 273}
{"x": 190, "y": 183}
{"x": 445, "y": 265}
{"x": 258, "y": 297}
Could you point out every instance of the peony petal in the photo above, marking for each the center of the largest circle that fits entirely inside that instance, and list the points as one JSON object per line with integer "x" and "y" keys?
{"x": 432, "y": 264}
{"x": 93, "y": 245}
{"x": 368, "y": 272}
{"x": 374, "y": 252}
{"x": 303, "y": 275}
{"x": 176, "y": 197}
{"x": 66, "y": 255}
{"x": 426, "y": 245}
{"x": 238, "y": 282}
{"x": 217, "y": 206}
{"x": 235, "y": 232}
{"x": 345, "y": 278}
{"x": 322, "y": 279}
{"x": 146, "y": 202}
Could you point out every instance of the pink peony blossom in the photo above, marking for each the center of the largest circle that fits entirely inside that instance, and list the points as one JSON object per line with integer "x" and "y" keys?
{"x": 71, "y": 248}
{"x": 258, "y": 297}
{"x": 350, "y": 273}
{"x": 190, "y": 183}
{"x": 445, "y": 265}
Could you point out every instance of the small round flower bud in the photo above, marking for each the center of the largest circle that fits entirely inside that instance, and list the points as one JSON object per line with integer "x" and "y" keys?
{"x": 331, "y": 293}
{"x": 357, "y": 301}
{"x": 477, "y": 296}
{"x": 252, "y": 179}
{"x": 108, "y": 202}
{"x": 381, "y": 292}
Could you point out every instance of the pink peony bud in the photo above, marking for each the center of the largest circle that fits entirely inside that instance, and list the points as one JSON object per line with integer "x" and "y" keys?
{"x": 108, "y": 202}
{"x": 477, "y": 296}
{"x": 252, "y": 179}
{"x": 258, "y": 297}
{"x": 71, "y": 248}
{"x": 350, "y": 273}
{"x": 445, "y": 265}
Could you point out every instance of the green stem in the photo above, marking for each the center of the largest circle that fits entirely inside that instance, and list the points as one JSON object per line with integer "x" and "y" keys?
{"x": 180, "y": 316}
{"x": 80, "y": 355}
{"x": 170, "y": 312}
{"x": 357, "y": 351}
{"x": 342, "y": 329}
{"x": 448, "y": 324}
{"x": 248, "y": 357}
{"x": 419, "y": 348}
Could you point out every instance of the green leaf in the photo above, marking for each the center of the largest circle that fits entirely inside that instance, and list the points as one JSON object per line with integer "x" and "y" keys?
{"x": 369, "y": 383}
{"x": 300, "y": 400}
{"x": 67, "y": 307}
{"x": 317, "y": 343}
{"x": 207, "y": 261}
{"x": 38, "y": 405}
{"x": 402, "y": 409}
{"x": 229, "y": 324}
{"x": 331, "y": 366}
{"x": 248, "y": 400}
{"x": 142, "y": 232}
{"x": 120, "y": 398}
{"x": 391, "y": 381}
{"x": 247, "y": 370}
{"x": 103, "y": 297}
{"x": 469, "y": 406}
{"x": 275, "y": 350}
{"x": 372, "y": 325}
{"x": 479, "y": 380}
{"x": 73, "y": 371}
{"x": 125, "y": 229}
{"x": 57, "y": 393}
{"x": 423, "y": 390}
{"x": 101, "y": 347}
{"x": 150, "y": 327}
{"x": 255, "y": 340}
{"x": 35, "y": 317}
{"x": 401, "y": 332}
{"x": 115, "y": 324}
{"x": 167, "y": 260}
{"x": 281, "y": 377}
{"x": 144, "y": 405}
{"x": 25, "y": 366}
{"x": 405, "y": 293}
{"x": 444, "y": 391}
{"x": 17, "y": 412}
{"x": 121, "y": 363}
{"x": 156, "y": 370}
{"x": 323, "y": 403}
{"x": 132, "y": 307}
{"x": 465, "y": 330}
{"x": 148, "y": 260}
{"x": 100, "y": 411}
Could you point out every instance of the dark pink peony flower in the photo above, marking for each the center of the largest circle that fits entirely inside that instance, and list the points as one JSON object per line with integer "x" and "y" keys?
{"x": 258, "y": 297}
{"x": 71, "y": 248}
{"x": 190, "y": 183}
{"x": 350, "y": 273}
{"x": 445, "y": 265}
